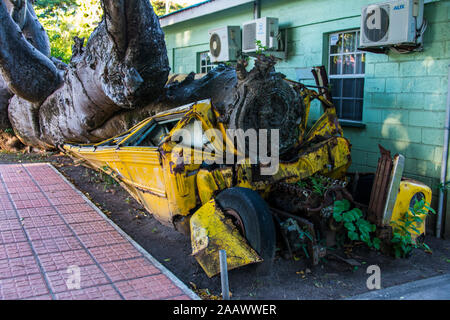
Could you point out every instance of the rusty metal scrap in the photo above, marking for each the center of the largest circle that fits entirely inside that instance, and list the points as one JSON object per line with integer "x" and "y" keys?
{"x": 380, "y": 186}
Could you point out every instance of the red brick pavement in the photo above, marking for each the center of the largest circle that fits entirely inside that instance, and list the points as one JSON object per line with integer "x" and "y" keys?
{"x": 48, "y": 228}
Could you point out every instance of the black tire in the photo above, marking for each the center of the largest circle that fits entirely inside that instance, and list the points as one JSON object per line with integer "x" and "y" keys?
{"x": 259, "y": 228}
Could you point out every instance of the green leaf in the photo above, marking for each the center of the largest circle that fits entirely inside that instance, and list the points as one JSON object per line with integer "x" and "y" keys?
{"x": 353, "y": 236}
{"x": 364, "y": 226}
{"x": 350, "y": 226}
{"x": 337, "y": 216}
{"x": 341, "y": 206}
{"x": 357, "y": 212}
{"x": 376, "y": 243}
{"x": 365, "y": 237}
{"x": 348, "y": 217}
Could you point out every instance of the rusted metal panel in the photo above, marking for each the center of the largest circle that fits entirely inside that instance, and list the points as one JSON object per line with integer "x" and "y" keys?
{"x": 378, "y": 195}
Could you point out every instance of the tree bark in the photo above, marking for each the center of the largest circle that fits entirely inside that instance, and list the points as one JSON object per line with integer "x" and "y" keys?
{"x": 5, "y": 95}
{"x": 27, "y": 72}
{"x": 104, "y": 78}
{"x": 119, "y": 78}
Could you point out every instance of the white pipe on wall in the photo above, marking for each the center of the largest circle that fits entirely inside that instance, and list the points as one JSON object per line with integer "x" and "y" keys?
{"x": 257, "y": 9}
{"x": 444, "y": 164}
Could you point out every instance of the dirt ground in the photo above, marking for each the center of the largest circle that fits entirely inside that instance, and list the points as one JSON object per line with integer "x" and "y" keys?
{"x": 289, "y": 279}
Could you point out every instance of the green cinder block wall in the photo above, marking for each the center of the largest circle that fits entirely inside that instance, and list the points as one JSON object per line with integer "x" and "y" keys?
{"x": 404, "y": 96}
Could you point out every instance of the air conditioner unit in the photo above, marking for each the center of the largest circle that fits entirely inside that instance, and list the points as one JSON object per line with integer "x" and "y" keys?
{"x": 262, "y": 29}
{"x": 391, "y": 23}
{"x": 225, "y": 44}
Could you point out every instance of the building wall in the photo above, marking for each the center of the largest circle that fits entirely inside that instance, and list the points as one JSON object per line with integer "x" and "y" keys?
{"x": 185, "y": 40}
{"x": 404, "y": 96}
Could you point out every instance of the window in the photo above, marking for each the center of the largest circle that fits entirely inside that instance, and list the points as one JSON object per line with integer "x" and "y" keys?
{"x": 346, "y": 72}
{"x": 152, "y": 133}
{"x": 205, "y": 62}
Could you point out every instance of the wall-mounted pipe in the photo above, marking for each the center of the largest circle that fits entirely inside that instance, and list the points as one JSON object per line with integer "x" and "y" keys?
{"x": 444, "y": 164}
{"x": 257, "y": 9}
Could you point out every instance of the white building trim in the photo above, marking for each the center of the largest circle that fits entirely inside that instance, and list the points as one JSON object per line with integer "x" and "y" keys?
{"x": 199, "y": 10}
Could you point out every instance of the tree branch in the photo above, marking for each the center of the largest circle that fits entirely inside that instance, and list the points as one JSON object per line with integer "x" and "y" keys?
{"x": 27, "y": 72}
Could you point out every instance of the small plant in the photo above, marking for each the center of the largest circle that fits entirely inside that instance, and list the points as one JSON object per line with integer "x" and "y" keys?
{"x": 403, "y": 229}
{"x": 357, "y": 227}
{"x": 444, "y": 186}
{"x": 260, "y": 47}
{"x": 302, "y": 184}
{"x": 318, "y": 184}
{"x": 290, "y": 225}
{"x": 107, "y": 178}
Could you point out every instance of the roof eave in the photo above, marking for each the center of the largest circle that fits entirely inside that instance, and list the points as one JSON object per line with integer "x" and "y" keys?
{"x": 199, "y": 10}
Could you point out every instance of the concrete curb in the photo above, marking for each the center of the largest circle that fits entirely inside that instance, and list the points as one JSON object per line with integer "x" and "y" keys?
{"x": 155, "y": 262}
{"x": 435, "y": 288}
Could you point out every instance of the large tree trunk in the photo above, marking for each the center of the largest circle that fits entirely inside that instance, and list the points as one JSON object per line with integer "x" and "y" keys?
{"x": 119, "y": 78}
{"x": 5, "y": 95}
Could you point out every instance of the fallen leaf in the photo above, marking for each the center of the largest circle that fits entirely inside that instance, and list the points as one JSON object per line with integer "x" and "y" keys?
{"x": 193, "y": 285}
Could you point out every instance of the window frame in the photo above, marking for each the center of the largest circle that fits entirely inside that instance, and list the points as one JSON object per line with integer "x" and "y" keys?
{"x": 199, "y": 59}
{"x": 343, "y": 76}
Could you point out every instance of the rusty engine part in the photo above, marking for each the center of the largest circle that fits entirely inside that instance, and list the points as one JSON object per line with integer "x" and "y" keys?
{"x": 309, "y": 205}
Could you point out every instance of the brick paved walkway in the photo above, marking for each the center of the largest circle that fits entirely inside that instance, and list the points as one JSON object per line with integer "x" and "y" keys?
{"x": 47, "y": 227}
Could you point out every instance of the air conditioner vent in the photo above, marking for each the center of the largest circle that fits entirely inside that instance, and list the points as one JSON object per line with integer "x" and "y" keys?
{"x": 225, "y": 44}
{"x": 370, "y": 27}
{"x": 392, "y": 23}
{"x": 214, "y": 45}
{"x": 249, "y": 36}
{"x": 264, "y": 30}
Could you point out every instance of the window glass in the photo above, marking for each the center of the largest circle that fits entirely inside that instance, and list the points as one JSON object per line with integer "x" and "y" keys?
{"x": 205, "y": 62}
{"x": 346, "y": 73}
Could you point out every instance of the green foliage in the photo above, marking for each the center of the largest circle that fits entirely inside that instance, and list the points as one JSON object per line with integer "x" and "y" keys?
{"x": 444, "y": 186}
{"x": 403, "y": 229}
{"x": 261, "y": 48}
{"x": 107, "y": 177}
{"x": 290, "y": 225}
{"x": 159, "y": 7}
{"x": 50, "y": 7}
{"x": 319, "y": 184}
{"x": 357, "y": 227}
{"x": 65, "y": 19}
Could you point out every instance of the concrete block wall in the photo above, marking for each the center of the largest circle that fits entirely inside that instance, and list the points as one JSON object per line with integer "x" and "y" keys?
{"x": 405, "y": 94}
{"x": 405, "y": 102}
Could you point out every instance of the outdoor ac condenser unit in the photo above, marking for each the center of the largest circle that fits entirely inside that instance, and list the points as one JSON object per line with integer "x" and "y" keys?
{"x": 225, "y": 44}
{"x": 263, "y": 29}
{"x": 391, "y": 23}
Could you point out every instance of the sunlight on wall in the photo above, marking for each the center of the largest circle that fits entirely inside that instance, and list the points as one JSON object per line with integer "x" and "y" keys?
{"x": 393, "y": 129}
{"x": 182, "y": 39}
{"x": 428, "y": 62}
